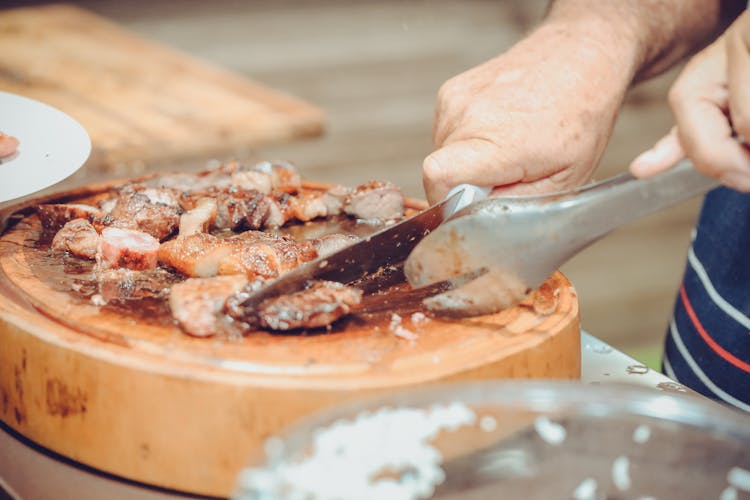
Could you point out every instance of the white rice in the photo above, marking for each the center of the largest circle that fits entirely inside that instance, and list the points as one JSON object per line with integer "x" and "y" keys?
{"x": 641, "y": 434}
{"x": 729, "y": 493}
{"x": 553, "y": 433}
{"x": 586, "y": 490}
{"x": 739, "y": 478}
{"x": 382, "y": 454}
{"x": 621, "y": 473}
{"x": 488, "y": 423}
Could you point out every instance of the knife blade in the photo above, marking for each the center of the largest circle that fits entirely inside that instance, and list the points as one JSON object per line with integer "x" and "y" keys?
{"x": 387, "y": 247}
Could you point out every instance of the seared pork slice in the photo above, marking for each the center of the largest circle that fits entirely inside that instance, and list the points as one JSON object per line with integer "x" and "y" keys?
{"x": 334, "y": 199}
{"x": 252, "y": 180}
{"x": 8, "y": 145}
{"x": 319, "y": 305}
{"x": 265, "y": 258}
{"x": 127, "y": 248}
{"x": 197, "y": 255}
{"x": 237, "y": 209}
{"x": 332, "y": 243}
{"x": 254, "y": 260}
{"x": 127, "y": 284}
{"x": 279, "y": 211}
{"x": 199, "y": 219}
{"x": 77, "y": 237}
{"x": 375, "y": 200}
{"x": 308, "y": 206}
{"x": 284, "y": 175}
{"x": 197, "y": 302}
{"x": 153, "y": 211}
{"x": 56, "y": 215}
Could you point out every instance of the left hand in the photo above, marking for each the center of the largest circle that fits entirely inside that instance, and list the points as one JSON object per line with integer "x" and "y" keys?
{"x": 711, "y": 103}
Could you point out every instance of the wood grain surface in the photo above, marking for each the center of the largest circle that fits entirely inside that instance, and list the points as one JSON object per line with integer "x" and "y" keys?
{"x": 141, "y": 102}
{"x": 136, "y": 397}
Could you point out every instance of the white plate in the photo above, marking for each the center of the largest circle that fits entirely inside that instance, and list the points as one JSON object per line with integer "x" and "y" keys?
{"x": 52, "y": 146}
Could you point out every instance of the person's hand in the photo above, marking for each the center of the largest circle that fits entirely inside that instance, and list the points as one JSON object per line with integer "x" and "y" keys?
{"x": 710, "y": 101}
{"x": 535, "y": 119}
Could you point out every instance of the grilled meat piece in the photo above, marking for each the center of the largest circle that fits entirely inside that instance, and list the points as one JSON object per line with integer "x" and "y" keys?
{"x": 335, "y": 198}
{"x": 375, "y": 200}
{"x": 199, "y": 219}
{"x": 319, "y": 305}
{"x": 77, "y": 237}
{"x": 241, "y": 209}
{"x": 284, "y": 175}
{"x": 252, "y": 253}
{"x": 54, "y": 216}
{"x": 153, "y": 211}
{"x": 264, "y": 256}
{"x": 252, "y": 180}
{"x": 332, "y": 243}
{"x": 197, "y": 255}
{"x": 127, "y": 248}
{"x": 197, "y": 302}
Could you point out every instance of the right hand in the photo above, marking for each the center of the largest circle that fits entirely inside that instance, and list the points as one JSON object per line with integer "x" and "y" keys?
{"x": 535, "y": 119}
{"x": 711, "y": 103}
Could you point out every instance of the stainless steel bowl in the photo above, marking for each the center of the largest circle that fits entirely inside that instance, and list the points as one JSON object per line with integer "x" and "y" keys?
{"x": 511, "y": 439}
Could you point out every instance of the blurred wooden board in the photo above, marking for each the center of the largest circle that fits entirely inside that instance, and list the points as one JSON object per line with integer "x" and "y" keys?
{"x": 142, "y": 103}
{"x": 138, "y": 398}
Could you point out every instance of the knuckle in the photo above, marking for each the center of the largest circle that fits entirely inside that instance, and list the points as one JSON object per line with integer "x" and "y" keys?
{"x": 704, "y": 160}
{"x": 431, "y": 170}
{"x": 451, "y": 90}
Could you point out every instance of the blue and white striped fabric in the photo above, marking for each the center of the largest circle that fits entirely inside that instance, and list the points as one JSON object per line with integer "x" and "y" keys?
{"x": 708, "y": 340}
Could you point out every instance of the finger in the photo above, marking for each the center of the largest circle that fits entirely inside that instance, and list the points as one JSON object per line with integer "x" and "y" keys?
{"x": 738, "y": 75}
{"x": 699, "y": 100}
{"x": 471, "y": 161}
{"x": 663, "y": 155}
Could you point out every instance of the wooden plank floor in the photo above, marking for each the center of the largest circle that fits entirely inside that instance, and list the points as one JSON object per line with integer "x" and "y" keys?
{"x": 374, "y": 67}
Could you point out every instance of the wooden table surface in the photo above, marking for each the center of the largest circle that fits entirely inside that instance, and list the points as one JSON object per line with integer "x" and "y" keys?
{"x": 141, "y": 102}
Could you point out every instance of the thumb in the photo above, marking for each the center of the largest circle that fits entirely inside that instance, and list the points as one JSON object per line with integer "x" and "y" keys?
{"x": 472, "y": 161}
{"x": 662, "y": 156}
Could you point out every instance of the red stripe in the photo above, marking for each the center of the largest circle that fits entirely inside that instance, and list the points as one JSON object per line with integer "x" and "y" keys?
{"x": 728, "y": 356}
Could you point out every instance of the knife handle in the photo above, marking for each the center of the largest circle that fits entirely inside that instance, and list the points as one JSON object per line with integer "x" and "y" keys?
{"x": 469, "y": 194}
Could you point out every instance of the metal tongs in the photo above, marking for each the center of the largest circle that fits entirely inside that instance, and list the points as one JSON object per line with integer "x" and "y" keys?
{"x": 497, "y": 250}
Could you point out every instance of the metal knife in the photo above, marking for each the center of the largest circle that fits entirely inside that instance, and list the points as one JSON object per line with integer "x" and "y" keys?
{"x": 387, "y": 247}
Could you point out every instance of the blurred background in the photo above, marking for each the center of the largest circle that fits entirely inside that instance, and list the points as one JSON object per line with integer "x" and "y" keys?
{"x": 374, "y": 68}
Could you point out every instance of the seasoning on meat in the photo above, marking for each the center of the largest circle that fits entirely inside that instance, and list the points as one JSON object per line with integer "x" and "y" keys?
{"x": 197, "y": 302}
{"x": 153, "y": 211}
{"x": 265, "y": 256}
{"x": 77, "y": 237}
{"x": 375, "y": 200}
{"x": 8, "y": 145}
{"x": 319, "y": 305}
{"x": 56, "y": 215}
{"x": 199, "y": 219}
{"x": 127, "y": 248}
{"x": 197, "y": 255}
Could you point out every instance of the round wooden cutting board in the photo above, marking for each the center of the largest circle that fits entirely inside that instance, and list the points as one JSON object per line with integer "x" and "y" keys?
{"x": 132, "y": 395}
